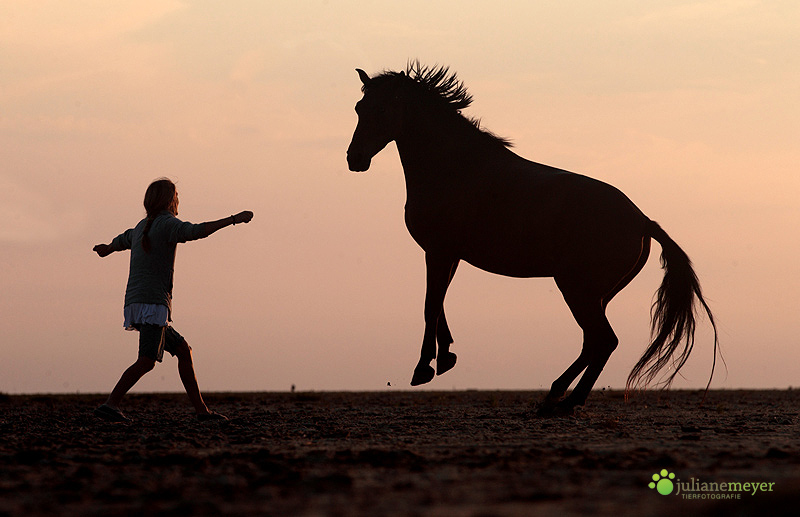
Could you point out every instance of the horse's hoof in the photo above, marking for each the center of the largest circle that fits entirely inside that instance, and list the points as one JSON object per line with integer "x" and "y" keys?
{"x": 554, "y": 406}
{"x": 553, "y": 411}
{"x": 560, "y": 409}
{"x": 422, "y": 375}
{"x": 445, "y": 362}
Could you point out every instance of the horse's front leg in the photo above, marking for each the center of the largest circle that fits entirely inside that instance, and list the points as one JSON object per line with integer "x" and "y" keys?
{"x": 445, "y": 359}
{"x": 439, "y": 273}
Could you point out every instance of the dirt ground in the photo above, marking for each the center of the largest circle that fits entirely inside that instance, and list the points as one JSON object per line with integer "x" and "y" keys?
{"x": 401, "y": 453}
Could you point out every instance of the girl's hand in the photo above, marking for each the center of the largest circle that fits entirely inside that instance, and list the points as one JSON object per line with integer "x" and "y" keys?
{"x": 103, "y": 250}
{"x": 243, "y": 217}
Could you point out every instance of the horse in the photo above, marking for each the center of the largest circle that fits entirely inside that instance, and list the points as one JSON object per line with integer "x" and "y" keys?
{"x": 470, "y": 198}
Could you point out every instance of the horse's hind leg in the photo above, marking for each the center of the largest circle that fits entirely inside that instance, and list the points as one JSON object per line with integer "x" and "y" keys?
{"x": 599, "y": 341}
{"x": 561, "y": 385}
{"x": 440, "y": 270}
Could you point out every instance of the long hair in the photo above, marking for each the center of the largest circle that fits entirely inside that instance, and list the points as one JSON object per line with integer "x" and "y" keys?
{"x": 161, "y": 195}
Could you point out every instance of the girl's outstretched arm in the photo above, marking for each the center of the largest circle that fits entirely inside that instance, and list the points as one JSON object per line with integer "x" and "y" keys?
{"x": 241, "y": 217}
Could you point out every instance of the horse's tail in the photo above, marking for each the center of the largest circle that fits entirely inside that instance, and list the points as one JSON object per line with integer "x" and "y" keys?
{"x": 673, "y": 317}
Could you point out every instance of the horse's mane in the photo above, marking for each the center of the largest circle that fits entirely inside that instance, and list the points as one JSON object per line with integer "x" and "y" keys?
{"x": 440, "y": 87}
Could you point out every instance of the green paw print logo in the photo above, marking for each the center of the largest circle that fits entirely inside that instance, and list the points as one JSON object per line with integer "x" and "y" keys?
{"x": 662, "y": 482}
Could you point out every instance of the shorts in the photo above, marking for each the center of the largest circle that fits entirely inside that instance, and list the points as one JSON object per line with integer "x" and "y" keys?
{"x": 154, "y": 339}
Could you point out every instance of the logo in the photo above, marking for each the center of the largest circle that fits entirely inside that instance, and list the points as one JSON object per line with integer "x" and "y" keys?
{"x": 662, "y": 482}
{"x": 665, "y": 483}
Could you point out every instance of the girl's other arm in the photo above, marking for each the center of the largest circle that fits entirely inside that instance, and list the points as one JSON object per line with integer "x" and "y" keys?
{"x": 241, "y": 217}
{"x": 121, "y": 242}
{"x": 103, "y": 250}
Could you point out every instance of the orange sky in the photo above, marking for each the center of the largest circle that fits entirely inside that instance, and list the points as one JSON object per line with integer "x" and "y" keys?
{"x": 690, "y": 108}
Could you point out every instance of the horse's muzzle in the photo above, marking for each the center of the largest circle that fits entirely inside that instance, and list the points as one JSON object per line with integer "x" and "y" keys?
{"x": 358, "y": 162}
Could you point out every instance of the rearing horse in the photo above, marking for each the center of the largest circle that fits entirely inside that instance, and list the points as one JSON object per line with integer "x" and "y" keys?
{"x": 469, "y": 197}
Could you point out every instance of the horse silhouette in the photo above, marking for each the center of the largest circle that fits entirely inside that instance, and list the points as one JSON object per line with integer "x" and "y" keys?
{"x": 469, "y": 197}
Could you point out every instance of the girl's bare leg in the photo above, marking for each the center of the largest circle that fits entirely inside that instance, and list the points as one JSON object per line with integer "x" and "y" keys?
{"x": 129, "y": 377}
{"x": 188, "y": 378}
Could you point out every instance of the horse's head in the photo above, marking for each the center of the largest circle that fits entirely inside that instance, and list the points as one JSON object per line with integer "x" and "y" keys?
{"x": 379, "y": 118}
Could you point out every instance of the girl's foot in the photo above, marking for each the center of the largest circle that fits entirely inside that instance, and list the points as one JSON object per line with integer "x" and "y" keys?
{"x": 110, "y": 414}
{"x": 210, "y": 416}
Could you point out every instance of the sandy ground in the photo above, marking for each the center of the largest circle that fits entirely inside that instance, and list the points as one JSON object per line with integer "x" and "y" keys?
{"x": 473, "y": 453}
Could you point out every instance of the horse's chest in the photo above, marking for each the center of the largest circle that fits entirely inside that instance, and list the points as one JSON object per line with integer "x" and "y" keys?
{"x": 433, "y": 225}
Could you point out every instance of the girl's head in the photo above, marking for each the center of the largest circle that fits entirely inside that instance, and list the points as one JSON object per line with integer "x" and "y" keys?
{"x": 161, "y": 195}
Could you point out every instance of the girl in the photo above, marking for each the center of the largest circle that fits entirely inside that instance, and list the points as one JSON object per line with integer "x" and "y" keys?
{"x": 148, "y": 297}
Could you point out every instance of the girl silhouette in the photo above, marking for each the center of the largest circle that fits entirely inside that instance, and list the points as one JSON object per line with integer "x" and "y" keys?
{"x": 148, "y": 297}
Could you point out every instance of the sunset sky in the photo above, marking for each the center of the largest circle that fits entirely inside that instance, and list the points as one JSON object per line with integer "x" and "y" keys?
{"x": 689, "y": 107}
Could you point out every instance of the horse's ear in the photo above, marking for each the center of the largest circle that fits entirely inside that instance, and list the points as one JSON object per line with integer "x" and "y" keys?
{"x": 364, "y": 77}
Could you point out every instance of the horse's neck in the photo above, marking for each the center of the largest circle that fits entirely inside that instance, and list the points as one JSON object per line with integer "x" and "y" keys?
{"x": 440, "y": 154}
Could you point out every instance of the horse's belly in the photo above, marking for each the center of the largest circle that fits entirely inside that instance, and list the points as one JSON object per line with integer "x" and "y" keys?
{"x": 522, "y": 261}
{"x": 496, "y": 248}
{"x": 513, "y": 270}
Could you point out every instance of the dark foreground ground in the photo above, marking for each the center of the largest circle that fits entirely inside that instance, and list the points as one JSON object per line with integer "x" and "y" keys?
{"x": 401, "y": 453}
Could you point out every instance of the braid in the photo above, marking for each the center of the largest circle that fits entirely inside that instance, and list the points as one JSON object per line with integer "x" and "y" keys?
{"x": 145, "y": 237}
